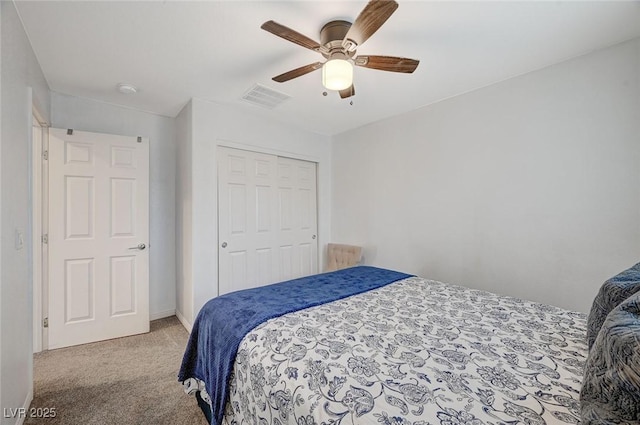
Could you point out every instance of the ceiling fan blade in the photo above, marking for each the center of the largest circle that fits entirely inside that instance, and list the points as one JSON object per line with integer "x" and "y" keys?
{"x": 374, "y": 14}
{"x": 387, "y": 63}
{"x": 290, "y": 35}
{"x": 348, "y": 92}
{"x": 298, "y": 72}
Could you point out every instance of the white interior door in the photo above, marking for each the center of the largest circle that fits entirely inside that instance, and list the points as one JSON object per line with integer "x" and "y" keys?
{"x": 267, "y": 219}
{"x": 98, "y": 237}
{"x": 297, "y": 218}
{"x": 247, "y": 210}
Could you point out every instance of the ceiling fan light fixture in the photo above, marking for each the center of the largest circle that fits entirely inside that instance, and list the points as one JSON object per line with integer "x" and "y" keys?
{"x": 337, "y": 74}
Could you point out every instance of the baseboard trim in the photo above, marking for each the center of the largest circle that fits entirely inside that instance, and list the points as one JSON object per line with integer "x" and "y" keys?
{"x": 27, "y": 403}
{"x": 162, "y": 314}
{"x": 188, "y": 326}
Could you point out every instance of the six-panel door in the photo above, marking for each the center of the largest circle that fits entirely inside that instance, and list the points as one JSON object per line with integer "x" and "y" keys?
{"x": 98, "y": 237}
{"x": 267, "y": 219}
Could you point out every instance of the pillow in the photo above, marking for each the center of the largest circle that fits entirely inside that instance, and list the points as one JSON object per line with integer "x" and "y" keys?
{"x": 610, "y": 391}
{"x": 612, "y": 293}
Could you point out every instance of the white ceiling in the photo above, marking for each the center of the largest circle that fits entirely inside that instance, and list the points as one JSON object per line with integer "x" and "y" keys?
{"x": 215, "y": 50}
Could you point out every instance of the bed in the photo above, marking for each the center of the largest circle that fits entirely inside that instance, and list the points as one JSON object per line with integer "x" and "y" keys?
{"x": 404, "y": 351}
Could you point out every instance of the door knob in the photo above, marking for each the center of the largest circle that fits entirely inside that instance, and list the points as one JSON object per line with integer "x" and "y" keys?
{"x": 224, "y": 244}
{"x": 139, "y": 247}
{"x": 313, "y": 237}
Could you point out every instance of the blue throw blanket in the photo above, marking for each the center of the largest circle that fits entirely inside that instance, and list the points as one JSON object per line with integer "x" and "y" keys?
{"x": 224, "y": 321}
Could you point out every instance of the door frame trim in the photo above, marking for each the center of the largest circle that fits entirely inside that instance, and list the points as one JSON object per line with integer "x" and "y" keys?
{"x": 265, "y": 150}
{"x": 39, "y": 211}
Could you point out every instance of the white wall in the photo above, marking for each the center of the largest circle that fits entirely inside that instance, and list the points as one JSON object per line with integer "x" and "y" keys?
{"x": 89, "y": 115}
{"x": 528, "y": 187}
{"x": 213, "y": 125}
{"x": 2, "y": 231}
{"x": 184, "y": 228}
{"x": 22, "y": 85}
{"x": 1, "y": 228}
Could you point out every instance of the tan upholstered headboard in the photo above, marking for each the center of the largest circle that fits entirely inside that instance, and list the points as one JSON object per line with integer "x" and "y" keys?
{"x": 342, "y": 256}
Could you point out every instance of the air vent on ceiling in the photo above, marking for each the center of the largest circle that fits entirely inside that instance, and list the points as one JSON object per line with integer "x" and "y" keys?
{"x": 264, "y": 96}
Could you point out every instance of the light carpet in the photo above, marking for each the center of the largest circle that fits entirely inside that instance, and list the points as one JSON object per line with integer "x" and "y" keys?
{"x": 124, "y": 381}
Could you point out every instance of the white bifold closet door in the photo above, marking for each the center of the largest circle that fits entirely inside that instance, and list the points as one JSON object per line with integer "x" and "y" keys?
{"x": 267, "y": 219}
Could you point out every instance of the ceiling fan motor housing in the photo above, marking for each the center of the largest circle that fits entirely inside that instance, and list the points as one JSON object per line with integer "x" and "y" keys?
{"x": 332, "y": 34}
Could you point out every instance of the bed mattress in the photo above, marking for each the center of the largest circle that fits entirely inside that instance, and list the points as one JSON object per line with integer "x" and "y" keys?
{"x": 414, "y": 352}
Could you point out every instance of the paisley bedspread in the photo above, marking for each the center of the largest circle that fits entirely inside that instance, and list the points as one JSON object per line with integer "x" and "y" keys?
{"x": 415, "y": 352}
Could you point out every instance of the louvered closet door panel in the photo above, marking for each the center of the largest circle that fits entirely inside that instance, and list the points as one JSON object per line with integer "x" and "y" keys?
{"x": 267, "y": 219}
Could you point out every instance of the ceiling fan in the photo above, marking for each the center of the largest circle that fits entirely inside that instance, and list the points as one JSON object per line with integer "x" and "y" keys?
{"x": 338, "y": 43}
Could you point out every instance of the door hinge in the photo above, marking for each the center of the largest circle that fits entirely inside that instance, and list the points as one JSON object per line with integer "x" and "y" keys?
{"x": 45, "y": 238}
{"x": 45, "y": 322}
{"x": 45, "y": 155}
